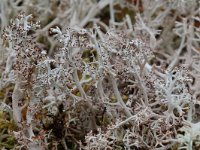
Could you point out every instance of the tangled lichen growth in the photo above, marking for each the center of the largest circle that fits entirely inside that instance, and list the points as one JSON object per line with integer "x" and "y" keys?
{"x": 76, "y": 81}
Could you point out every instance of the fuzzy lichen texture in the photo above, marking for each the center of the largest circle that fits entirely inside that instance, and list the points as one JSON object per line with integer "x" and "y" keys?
{"x": 85, "y": 80}
{"x": 21, "y": 68}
